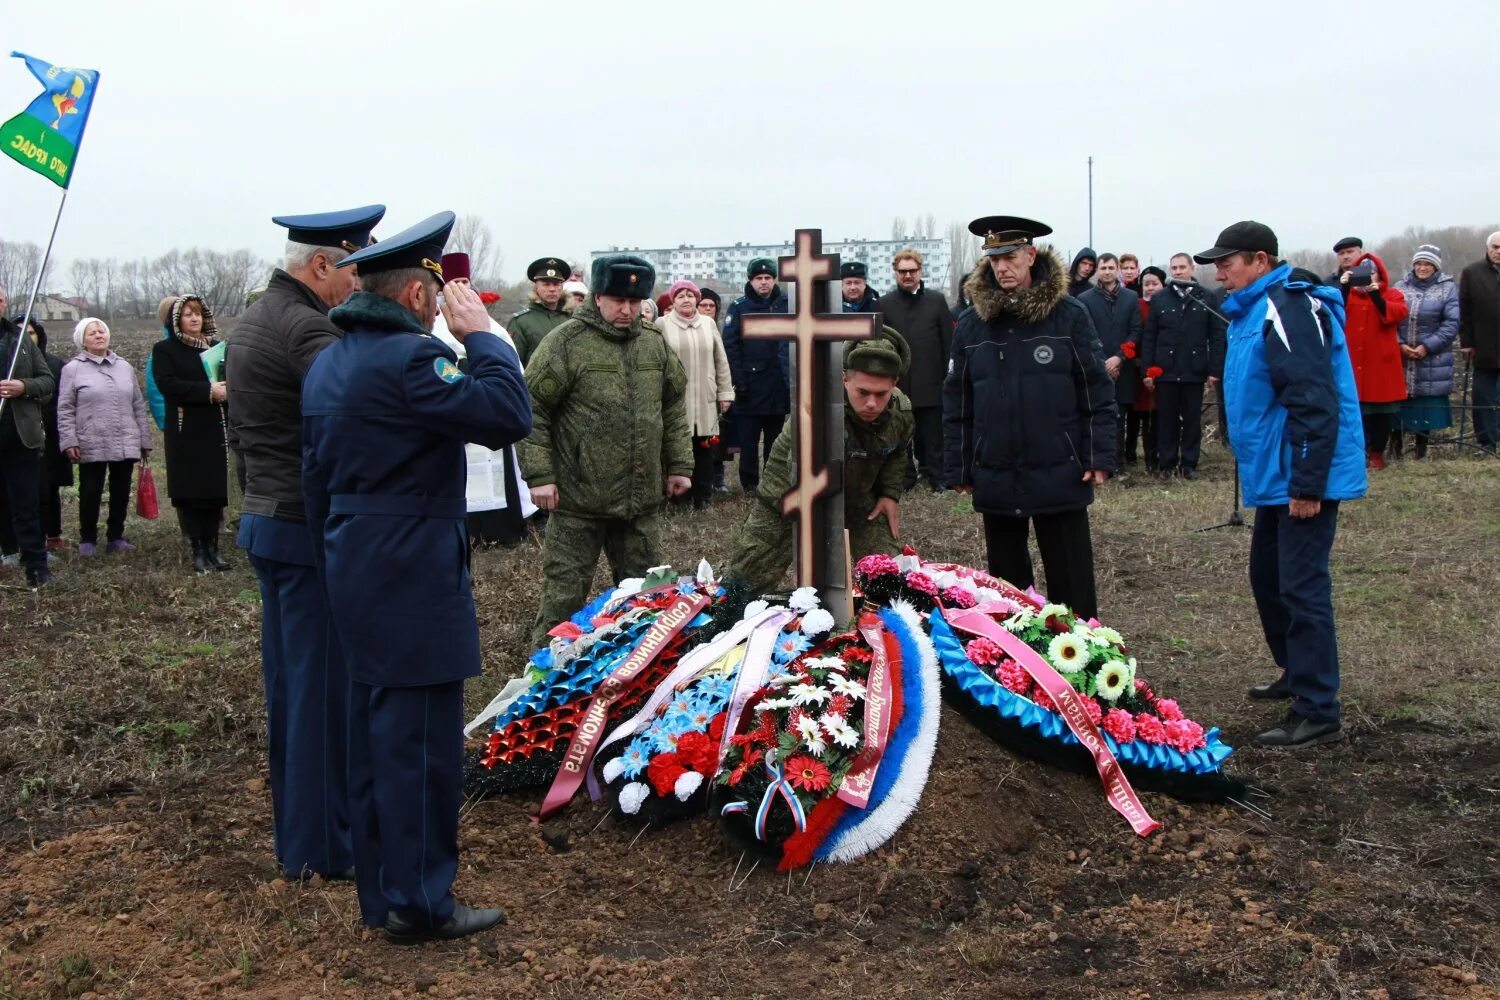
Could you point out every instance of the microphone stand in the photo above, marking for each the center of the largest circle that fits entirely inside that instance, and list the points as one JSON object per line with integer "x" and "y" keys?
{"x": 1235, "y": 519}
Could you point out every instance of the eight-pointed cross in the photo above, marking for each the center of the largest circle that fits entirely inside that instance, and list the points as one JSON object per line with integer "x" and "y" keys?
{"x": 811, "y": 269}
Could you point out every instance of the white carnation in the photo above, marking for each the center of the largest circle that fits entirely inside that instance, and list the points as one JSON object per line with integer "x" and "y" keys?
{"x": 816, "y": 622}
{"x": 613, "y": 769}
{"x": 754, "y": 608}
{"x": 687, "y": 784}
{"x": 631, "y": 797}
{"x": 803, "y": 599}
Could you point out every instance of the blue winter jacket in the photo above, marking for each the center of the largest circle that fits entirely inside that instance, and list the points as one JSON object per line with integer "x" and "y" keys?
{"x": 1294, "y": 420}
{"x": 1432, "y": 321}
{"x": 762, "y": 369}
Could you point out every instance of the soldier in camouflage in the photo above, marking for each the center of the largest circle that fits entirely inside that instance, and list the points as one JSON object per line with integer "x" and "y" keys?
{"x": 545, "y": 313}
{"x": 609, "y": 438}
{"x": 877, "y": 431}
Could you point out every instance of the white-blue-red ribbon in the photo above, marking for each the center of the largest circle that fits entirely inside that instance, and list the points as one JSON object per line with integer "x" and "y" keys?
{"x": 779, "y": 785}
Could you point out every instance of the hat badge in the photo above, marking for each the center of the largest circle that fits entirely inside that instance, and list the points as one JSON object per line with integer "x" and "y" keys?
{"x": 551, "y": 272}
{"x": 633, "y": 279}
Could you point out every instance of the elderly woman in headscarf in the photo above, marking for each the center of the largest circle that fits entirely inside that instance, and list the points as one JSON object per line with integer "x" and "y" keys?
{"x": 695, "y": 340}
{"x": 102, "y": 425}
{"x": 197, "y": 466}
{"x": 1427, "y": 336}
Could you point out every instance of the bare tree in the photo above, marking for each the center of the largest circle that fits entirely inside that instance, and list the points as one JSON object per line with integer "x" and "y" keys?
{"x": 963, "y": 252}
{"x": 926, "y": 226}
{"x": 898, "y": 228}
{"x": 472, "y": 235}
{"x": 19, "y": 263}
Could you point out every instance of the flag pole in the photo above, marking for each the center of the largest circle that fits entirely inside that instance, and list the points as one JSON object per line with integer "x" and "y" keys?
{"x": 35, "y": 287}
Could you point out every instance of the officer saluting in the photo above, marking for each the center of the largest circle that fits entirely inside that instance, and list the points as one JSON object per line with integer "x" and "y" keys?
{"x": 386, "y": 413}
{"x": 307, "y": 704}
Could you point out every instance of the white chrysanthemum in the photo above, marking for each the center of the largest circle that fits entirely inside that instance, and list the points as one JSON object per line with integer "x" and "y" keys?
{"x": 1022, "y": 619}
{"x": 613, "y": 769}
{"x": 840, "y": 731}
{"x": 1068, "y": 653}
{"x": 775, "y": 704}
{"x": 846, "y": 686}
{"x": 809, "y": 694}
{"x": 816, "y": 622}
{"x": 1103, "y": 635}
{"x": 803, "y": 599}
{"x": 631, "y": 797}
{"x": 687, "y": 784}
{"x": 1113, "y": 680}
{"x": 754, "y": 608}
{"x": 824, "y": 663}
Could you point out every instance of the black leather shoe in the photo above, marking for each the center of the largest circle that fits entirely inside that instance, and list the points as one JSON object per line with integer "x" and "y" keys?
{"x": 347, "y": 875}
{"x": 465, "y": 921}
{"x": 1271, "y": 690}
{"x": 1296, "y": 732}
{"x": 215, "y": 560}
{"x": 1188, "y": 473}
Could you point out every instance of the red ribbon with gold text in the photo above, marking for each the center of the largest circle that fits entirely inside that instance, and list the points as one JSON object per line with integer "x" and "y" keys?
{"x": 977, "y": 621}
{"x": 885, "y": 650}
{"x": 586, "y": 738}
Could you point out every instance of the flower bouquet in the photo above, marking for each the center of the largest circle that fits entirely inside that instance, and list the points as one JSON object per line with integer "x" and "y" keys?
{"x": 657, "y": 765}
{"x": 600, "y": 666}
{"x": 1051, "y": 685}
{"x": 832, "y": 751}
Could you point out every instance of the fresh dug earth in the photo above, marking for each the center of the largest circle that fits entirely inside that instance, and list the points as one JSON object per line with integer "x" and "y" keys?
{"x": 136, "y": 823}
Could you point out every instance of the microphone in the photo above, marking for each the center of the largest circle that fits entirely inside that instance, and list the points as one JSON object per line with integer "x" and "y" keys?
{"x": 1179, "y": 283}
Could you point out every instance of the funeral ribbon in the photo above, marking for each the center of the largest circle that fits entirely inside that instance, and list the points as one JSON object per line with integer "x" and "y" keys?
{"x": 668, "y": 625}
{"x": 779, "y": 786}
{"x": 885, "y": 650}
{"x": 753, "y": 671}
{"x": 699, "y": 660}
{"x": 977, "y": 621}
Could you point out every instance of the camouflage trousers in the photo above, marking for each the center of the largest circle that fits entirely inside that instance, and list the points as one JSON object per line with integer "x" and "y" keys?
{"x": 763, "y": 547}
{"x": 570, "y": 554}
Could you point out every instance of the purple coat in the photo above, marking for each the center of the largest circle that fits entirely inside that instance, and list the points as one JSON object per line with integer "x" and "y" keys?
{"x": 1432, "y": 321}
{"x": 101, "y": 410}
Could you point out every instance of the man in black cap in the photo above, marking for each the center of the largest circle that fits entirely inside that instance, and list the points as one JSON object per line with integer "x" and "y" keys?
{"x": 877, "y": 431}
{"x": 858, "y": 296}
{"x": 922, "y": 316}
{"x": 610, "y": 441}
{"x": 1294, "y": 424}
{"x": 762, "y": 371}
{"x": 386, "y": 413}
{"x": 545, "y": 313}
{"x": 274, "y": 344}
{"x": 1029, "y": 412}
{"x": 1348, "y": 250}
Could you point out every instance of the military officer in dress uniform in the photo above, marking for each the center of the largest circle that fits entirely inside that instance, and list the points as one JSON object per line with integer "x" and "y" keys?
{"x": 877, "y": 431}
{"x": 545, "y": 313}
{"x": 386, "y": 413}
{"x": 307, "y": 690}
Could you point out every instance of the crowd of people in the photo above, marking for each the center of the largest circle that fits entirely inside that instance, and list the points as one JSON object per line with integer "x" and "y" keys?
{"x": 352, "y": 394}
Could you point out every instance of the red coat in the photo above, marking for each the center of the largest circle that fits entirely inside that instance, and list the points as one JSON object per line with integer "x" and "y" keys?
{"x": 1374, "y": 342}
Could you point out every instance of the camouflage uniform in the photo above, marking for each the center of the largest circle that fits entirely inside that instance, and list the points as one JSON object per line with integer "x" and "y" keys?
{"x": 874, "y": 464}
{"x": 530, "y": 325}
{"x": 609, "y": 420}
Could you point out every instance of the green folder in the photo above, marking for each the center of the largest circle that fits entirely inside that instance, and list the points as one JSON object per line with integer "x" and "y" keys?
{"x": 213, "y": 362}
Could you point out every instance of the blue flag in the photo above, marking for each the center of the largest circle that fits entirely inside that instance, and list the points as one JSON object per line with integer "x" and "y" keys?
{"x": 46, "y": 136}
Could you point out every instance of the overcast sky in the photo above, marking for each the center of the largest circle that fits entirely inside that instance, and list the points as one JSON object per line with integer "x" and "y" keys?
{"x": 574, "y": 126}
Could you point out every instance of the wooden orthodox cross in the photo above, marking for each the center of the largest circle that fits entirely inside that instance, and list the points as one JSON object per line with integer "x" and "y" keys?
{"x": 817, "y": 415}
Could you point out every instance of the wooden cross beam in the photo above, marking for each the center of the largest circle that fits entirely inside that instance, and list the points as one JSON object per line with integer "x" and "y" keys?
{"x": 812, "y": 333}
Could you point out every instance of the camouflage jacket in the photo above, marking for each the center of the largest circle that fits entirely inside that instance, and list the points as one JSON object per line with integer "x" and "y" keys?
{"x": 530, "y": 325}
{"x": 609, "y": 417}
{"x": 874, "y": 459}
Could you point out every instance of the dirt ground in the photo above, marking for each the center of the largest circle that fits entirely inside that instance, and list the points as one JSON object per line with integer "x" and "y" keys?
{"x": 136, "y": 820}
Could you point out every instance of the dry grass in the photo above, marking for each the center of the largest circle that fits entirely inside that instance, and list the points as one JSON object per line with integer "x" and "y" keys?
{"x": 136, "y": 824}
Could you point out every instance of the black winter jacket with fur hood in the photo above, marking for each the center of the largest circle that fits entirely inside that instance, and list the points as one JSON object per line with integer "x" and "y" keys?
{"x": 1027, "y": 403}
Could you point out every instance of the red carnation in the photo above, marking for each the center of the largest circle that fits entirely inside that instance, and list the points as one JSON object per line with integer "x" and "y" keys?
{"x": 1150, "y": 728}
{"x": 716, "y": 726}
{"x": 1185, "y": 735}
{"x": 1013, "y": 676}
{"x": 1120, "y": 725}
{"x": 489, "y": 298}
{"x": 1127, "y": 349}
{"x": 1090, "y": 708}
{"x": 1041, "y": 697}
{"x": 698, "y": 752}
{"x": 1167, "y": 710}
{"x": 984, "y": 652}
{"x": 1155, "y": 371}
{"x": 663, "y": 772}
{"x": 807, "y": 773}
